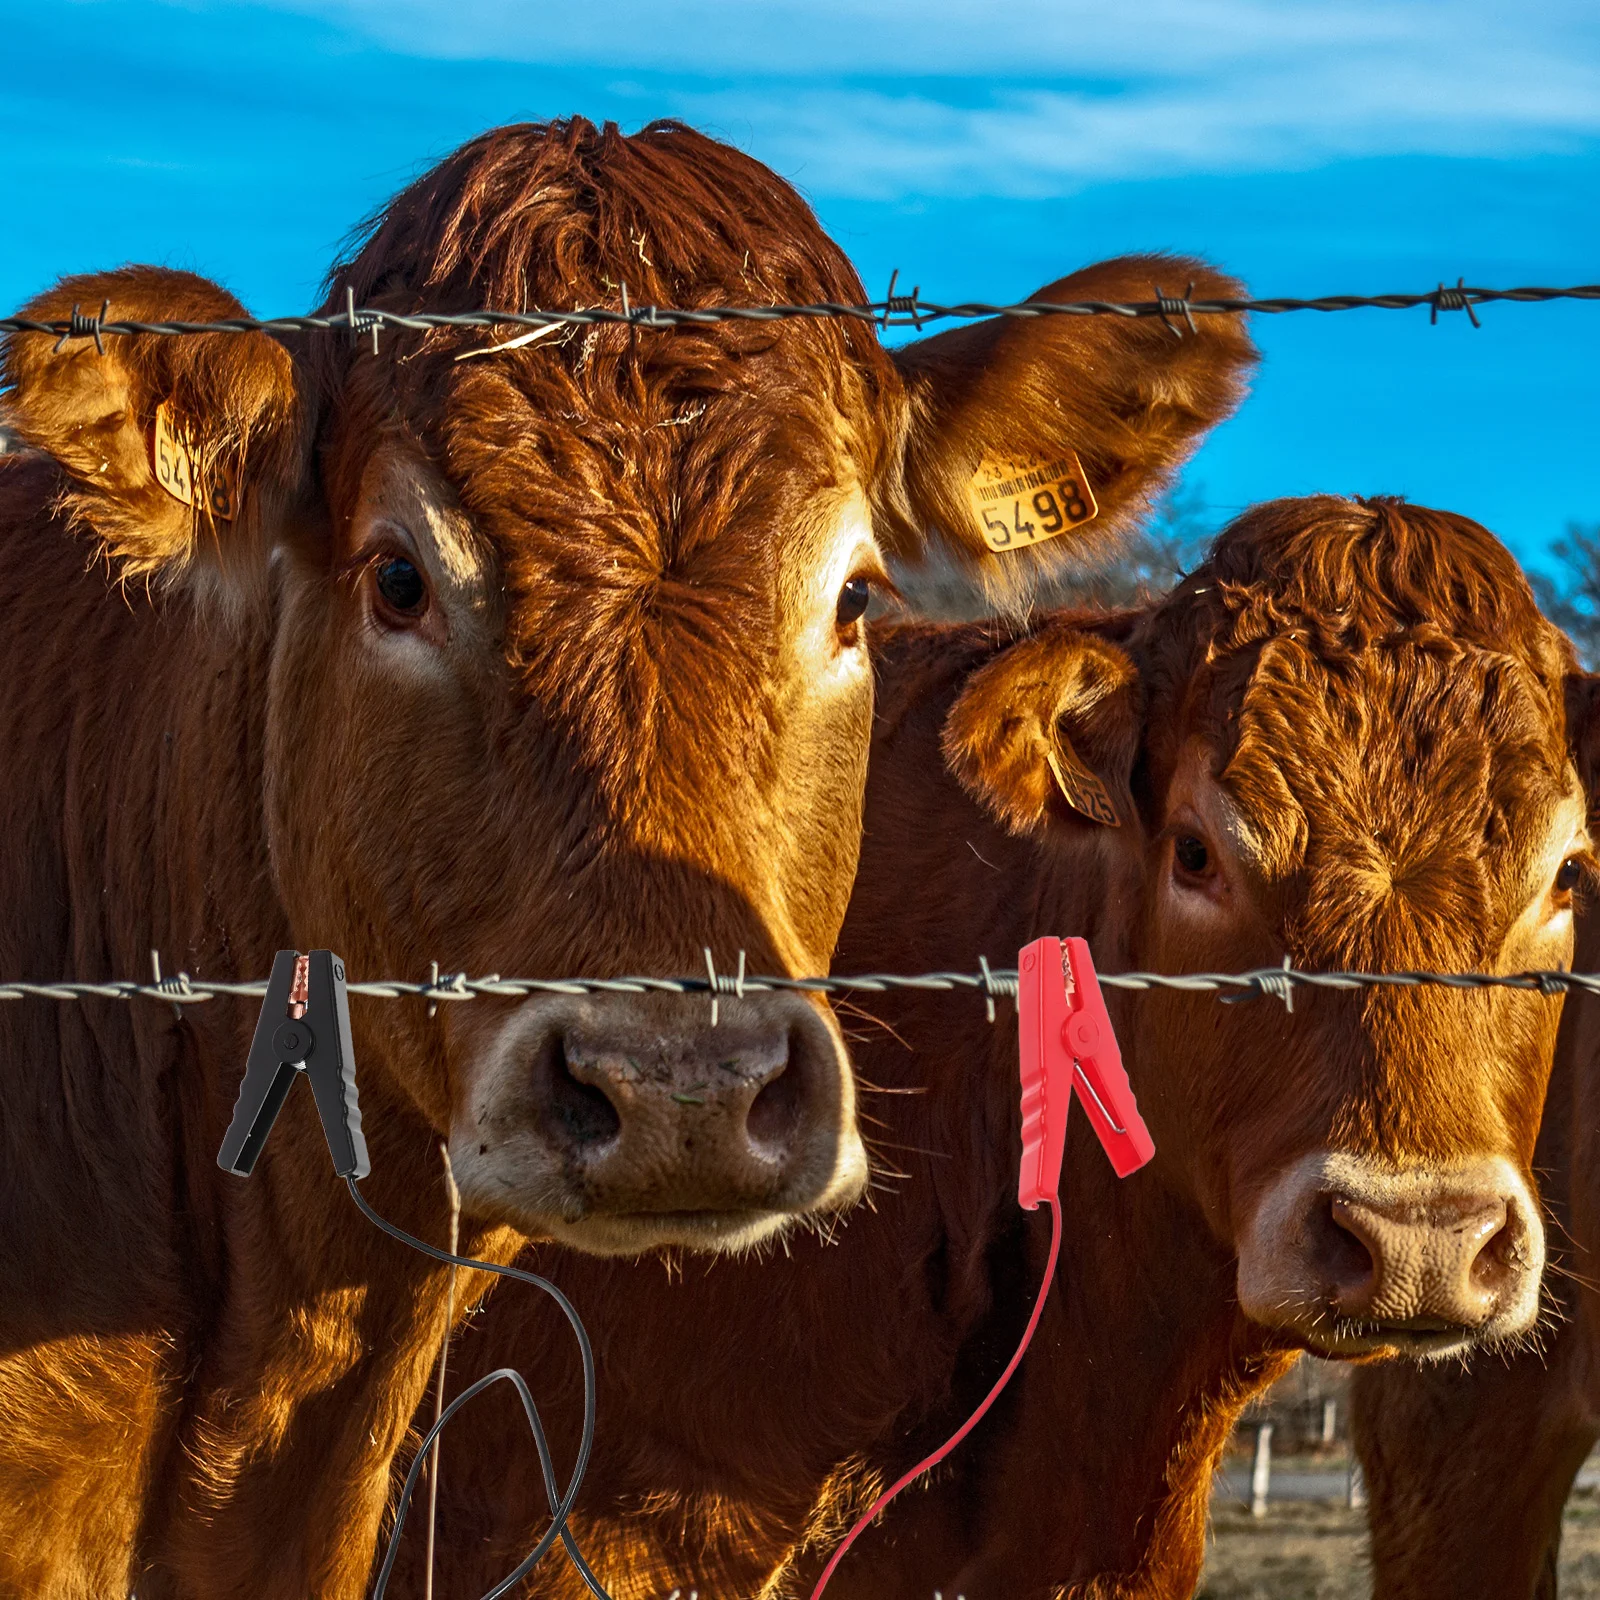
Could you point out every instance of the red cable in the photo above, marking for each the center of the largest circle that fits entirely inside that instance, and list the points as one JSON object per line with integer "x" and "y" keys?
{"x": 966, "y": 1427}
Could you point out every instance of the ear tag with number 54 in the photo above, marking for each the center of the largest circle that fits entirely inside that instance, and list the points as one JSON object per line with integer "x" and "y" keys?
{"x": 173, "y": 463}
{"x": 176, "y": 464}
{"x": 1022, "y": 500}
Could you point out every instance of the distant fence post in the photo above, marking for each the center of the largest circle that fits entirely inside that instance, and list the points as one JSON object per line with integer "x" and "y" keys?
{"x": 1358, "y": 1487}
{"x": 1330, "y": 1420}
{"x": 1261, "y": 1471}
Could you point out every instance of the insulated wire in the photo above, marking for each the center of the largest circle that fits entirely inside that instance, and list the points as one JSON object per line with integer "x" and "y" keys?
{"x": 1054, "y": 1202}
{"x": 560, "y": 1505}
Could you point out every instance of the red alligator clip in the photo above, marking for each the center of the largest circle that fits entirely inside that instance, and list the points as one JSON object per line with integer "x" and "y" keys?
{"x": 1067, "y": 1043}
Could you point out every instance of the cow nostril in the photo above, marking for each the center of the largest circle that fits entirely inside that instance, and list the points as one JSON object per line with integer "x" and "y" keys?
{"x": 776, "y": 1111}
{"x": 1349, "y": 1256}
{"x": 1449, "y": 1260}
{"x": 1500, "y": 1260}
{"x": 582, "y": 1112}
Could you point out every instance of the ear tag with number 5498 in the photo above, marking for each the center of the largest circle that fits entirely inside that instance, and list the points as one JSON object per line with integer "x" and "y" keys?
{"x": 1019, "y": 501}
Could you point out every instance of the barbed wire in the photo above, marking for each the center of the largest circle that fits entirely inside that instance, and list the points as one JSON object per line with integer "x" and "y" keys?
{"x": 987, "y": 982}
{"x": 893, "y": 311}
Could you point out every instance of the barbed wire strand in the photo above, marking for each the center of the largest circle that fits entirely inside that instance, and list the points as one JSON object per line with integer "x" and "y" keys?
{"x": 991, "y": 983}
{"x": 894, "y": 311}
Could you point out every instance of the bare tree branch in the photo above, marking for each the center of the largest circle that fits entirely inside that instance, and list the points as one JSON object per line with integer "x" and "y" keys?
{"x": 1571, "y": 599}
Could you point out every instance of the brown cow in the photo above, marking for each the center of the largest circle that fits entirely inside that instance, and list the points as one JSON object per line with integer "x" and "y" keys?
{"x": 1468, "y": 1470}
{"x": 1342, "y": 741}
{"x": 544, "y": 661}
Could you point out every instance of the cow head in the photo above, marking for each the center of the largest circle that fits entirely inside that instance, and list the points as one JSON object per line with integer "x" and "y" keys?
{"x": 1349, "y": 741}
{"x": 567, "y": 670}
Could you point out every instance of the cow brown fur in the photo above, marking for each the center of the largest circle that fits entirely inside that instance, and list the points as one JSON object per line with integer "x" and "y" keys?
{"x": 621, "y": 724}
{"x": 1374, "y": 685}
{"x": 1468, "y": 1469}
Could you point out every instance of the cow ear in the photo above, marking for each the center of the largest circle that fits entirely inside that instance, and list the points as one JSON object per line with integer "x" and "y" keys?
{"x": 1583, "y": 732}
{"x": 217, "y": 416}
{"x": 1126, "y": 396}
{"x": 1048, "y": 730}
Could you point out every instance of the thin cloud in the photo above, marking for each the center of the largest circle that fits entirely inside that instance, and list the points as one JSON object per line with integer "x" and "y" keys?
{"x": 874, "y": 37}
{"x": 883, "y": 144}
{"x": 868, "y": 98}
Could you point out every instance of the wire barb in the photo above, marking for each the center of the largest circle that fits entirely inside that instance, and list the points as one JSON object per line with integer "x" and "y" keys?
{"x": 173, "y": 986}
{"x": 1176, "y": 306}
{"x": 1276, "y": 985}
{"x": 717, "y": 983}
{"x": 78, "y": 326}
{"x": 907, "y": 307}
{"x": 990, "y": 987}
{"x": 360, "y": 322}
{"x": 1456, "y": 299}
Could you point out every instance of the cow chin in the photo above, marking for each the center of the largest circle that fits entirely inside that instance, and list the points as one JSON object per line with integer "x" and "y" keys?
{"x": 537, "y": 1199}
{"x": 710, "y": 1232}
{"x": 1355, "y": 1258}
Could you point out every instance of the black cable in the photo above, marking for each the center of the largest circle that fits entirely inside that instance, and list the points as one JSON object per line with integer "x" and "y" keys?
{"x": 560, "y": 1504}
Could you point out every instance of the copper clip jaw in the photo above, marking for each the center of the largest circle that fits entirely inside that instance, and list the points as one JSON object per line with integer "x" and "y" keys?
{"x": 304, "y": 1027}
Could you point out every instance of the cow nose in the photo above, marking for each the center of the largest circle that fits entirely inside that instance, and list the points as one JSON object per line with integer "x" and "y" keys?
{"x": 676, "y": 1115}
{"x": 1448, "y": 1262}
{"x": 751, "y": 1098}
{"x": 1354, "y": 1254}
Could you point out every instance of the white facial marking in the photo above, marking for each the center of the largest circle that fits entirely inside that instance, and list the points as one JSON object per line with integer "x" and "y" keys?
{"x": 1568, "y": 836}
{"x": 847, "y": 549}
{"x": 400, "y": 490}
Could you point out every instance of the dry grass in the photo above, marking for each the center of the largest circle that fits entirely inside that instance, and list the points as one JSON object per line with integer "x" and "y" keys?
{"x": 1319, "y": 1552}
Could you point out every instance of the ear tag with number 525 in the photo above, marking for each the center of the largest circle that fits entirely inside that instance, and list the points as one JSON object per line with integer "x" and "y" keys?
{"x": 1022, "y": 500}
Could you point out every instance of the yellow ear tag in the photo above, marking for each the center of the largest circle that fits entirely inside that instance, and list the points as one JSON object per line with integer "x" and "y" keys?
{"x": 1083, "y": 791}
{"x": 174, "y": 466}
{"x": 1019, "y": 501}
{"x": 177, "y": 469}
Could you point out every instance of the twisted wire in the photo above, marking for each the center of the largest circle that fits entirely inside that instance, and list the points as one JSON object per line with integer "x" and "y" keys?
{"x": 895, "y": 311}
{"x": 989, "y": 982}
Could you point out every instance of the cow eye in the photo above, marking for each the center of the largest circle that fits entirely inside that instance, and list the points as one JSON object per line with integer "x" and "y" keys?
{"x": 853, "y": 601}
{"x": 1191, "y": 855}
{"x": 1569, "y": 875}
{"x": 401, "y": 586}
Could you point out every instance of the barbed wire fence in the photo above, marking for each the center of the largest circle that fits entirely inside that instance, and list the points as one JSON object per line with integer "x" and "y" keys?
{"x": 987, "y": 982}
{"x": 1177, "y": 313}
{"x": 893, "y": 311}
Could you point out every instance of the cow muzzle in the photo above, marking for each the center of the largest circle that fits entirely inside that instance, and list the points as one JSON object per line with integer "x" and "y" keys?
{"x": 622, "y": 1123}
{"x": 1356, "y": 1257}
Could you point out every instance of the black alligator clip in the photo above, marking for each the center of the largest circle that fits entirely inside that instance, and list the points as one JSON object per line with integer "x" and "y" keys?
{"x": 304, "y": 1027}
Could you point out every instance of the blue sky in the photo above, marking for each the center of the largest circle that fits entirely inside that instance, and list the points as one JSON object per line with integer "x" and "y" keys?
{"x": 981, "y": 148}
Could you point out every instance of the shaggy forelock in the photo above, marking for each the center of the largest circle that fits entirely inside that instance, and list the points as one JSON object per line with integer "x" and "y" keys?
{"x": 634, "y": 488}
{"x": 1385, "y": 704}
